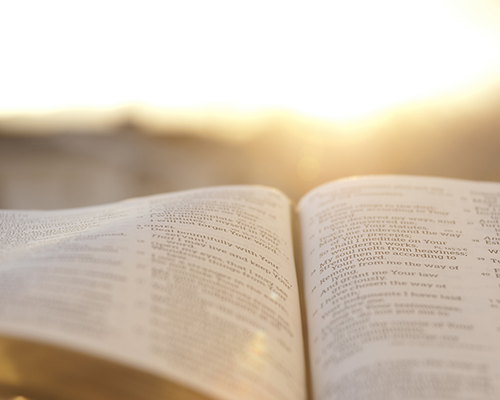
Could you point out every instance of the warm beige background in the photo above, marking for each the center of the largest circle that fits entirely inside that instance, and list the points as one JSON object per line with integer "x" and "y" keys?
{"x": 82, "y": 164}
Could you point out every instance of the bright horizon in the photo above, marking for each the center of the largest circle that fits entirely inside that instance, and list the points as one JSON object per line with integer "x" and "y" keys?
{"x": 333, "y": 60}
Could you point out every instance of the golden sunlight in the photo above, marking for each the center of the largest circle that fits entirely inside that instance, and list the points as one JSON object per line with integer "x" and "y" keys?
{"x": 337, "y": 60}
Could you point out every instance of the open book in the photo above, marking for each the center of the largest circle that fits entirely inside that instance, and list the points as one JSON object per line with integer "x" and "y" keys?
{"x": 370, "y": 288}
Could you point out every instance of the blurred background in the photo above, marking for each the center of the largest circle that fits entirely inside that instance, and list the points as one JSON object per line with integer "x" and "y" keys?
{"x": 106, "y": 100}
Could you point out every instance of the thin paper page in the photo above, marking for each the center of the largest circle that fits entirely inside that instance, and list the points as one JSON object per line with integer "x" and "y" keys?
{"x": 402, "y": 284}
{"x": 198, "y": 286}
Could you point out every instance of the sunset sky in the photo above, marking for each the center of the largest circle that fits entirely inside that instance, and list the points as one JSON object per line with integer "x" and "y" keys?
{"x": 331, "y": 59}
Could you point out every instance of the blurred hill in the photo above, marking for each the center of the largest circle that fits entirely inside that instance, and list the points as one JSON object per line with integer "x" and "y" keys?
{"x": 68, "y": 160}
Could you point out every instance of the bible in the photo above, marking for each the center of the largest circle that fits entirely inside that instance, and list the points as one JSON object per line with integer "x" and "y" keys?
{"x": 378, "y": 287}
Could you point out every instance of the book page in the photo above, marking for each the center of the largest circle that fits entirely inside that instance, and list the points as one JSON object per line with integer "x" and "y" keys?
{"x": 402, "y": 279}
{"x": 198, "y": 286}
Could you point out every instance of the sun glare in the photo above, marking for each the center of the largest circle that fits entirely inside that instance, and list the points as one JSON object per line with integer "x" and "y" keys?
{"x": 337, "y": 60}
